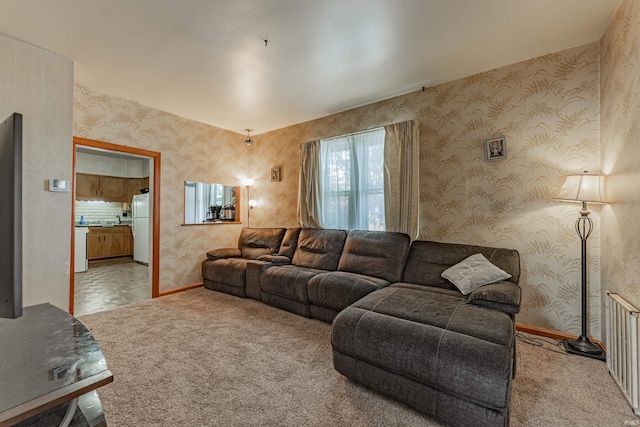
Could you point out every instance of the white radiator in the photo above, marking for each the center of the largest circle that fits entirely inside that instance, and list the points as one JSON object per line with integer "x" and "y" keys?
{"x": 623, "y": 360}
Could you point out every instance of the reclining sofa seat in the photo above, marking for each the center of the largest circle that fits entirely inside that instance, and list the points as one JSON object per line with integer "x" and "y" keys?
{"x": 370, "y": 260}
{"x": 422, "y": 342}
{"x": 226, "y": 269}
{"x": 285, "y": 285}
{"x": 332, "y": 269}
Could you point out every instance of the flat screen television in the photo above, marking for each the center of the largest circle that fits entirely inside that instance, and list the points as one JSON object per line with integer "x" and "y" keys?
{"x": 11, "y": 217}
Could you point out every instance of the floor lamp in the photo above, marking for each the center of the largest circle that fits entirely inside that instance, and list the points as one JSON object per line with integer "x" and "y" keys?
{"x": 584, "y": 188}
{"x": 248, "y": 182}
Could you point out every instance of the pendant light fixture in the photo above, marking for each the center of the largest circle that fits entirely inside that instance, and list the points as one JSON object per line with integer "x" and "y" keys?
{"x": 248, "y": 141}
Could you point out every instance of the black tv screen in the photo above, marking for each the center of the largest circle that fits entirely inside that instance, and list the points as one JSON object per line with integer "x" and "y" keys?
{"x": 11, "y": 216}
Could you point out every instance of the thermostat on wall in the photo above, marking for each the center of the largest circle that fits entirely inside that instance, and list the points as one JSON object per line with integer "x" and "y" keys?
{"x": 59, "y": 185}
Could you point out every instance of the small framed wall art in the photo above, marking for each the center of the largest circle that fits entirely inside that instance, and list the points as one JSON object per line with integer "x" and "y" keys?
{"x": 495, "y": 148}
{"x": 275, "y": 174}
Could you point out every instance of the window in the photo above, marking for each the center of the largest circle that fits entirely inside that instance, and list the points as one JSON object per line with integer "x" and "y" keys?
{"x": 352, "y": 181}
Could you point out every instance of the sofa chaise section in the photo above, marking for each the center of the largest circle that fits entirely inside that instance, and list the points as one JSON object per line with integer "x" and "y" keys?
{"x": 424, "y": 343}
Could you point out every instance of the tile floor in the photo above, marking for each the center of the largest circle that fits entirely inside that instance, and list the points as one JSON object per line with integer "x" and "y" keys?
{"x": 109, "y": 284}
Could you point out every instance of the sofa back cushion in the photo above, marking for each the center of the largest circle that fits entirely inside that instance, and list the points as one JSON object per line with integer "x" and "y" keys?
{"x": 254, "y": 242}
{"x": 289, "y": 242}
{"x": 319, "y": 248}
{"x": 427, "y": 260}
{"x": 379, "y": 254}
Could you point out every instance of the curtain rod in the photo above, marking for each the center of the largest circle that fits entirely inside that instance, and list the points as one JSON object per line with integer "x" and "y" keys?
{"x": 360, "y": 131}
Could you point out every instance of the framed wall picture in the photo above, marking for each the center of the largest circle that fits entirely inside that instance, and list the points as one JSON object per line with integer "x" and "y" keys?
{"x": 275, "y": 174}
{"x": 495, "y": 148}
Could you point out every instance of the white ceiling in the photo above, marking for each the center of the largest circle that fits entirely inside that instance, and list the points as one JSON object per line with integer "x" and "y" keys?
{"x": 207, "y": 60}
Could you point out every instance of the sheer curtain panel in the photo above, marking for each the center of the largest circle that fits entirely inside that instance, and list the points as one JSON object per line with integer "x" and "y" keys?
{"x": 351, "y": 181}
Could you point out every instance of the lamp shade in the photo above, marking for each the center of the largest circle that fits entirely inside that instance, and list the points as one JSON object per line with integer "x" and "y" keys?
{"x": 247, "y": 182}
{"x": 583, "y": 188}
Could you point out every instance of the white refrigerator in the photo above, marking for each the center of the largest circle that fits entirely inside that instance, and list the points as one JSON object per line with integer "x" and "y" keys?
{"x": 140, "y": 228}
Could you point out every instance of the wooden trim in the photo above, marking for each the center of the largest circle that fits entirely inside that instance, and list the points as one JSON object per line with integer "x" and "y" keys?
{"x": 155, "y": 286}
{"x": 181, "y": 289}
{"x": 534, "y": 330}
{"x": 72, "y": 262}
{"x": 155, "y": 255}
{"x": 114, "y": 147}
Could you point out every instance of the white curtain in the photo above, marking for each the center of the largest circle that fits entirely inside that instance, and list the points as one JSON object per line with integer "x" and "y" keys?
{"x": 351, "y": 181}
{"x": 401, "y": 177}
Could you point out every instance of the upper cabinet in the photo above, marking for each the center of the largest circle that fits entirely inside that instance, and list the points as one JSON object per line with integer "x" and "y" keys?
{"x": 112, "y": 188}
{"x": 108, "y": 188}
{"x": 87, "y": 186}
{"x": 133, "y": 186}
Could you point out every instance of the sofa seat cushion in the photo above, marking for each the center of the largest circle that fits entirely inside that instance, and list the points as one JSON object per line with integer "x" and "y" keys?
{"x": 375, "y": 253}
{"x": 319, "y": 248}
{"x": 339, "y": 289}
{"x": 434, "y": 338}
{"x": 229, "y": 271}
{"x": 254, "y": 242}
{"x": 288, "y": 281}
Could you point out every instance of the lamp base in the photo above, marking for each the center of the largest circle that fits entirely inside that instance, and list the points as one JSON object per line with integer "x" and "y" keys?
{"x": 582, "y": 346}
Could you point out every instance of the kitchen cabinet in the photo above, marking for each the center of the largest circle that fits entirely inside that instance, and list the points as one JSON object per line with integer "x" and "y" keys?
{"x": 100, "y": 187}
{"x": 87, "y": 185}
{"x": 133, "y": 186}
{"x": 108, "y": 242}
{"x": 112, "y": 188}
{"x": 108, "y": 188}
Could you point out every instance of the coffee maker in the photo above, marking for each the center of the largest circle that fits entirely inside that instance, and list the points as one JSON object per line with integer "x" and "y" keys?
{"x": 213, "y": 214}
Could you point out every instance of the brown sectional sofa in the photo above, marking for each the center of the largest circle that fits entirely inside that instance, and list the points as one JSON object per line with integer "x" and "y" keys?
{"x": 398, "y": 327}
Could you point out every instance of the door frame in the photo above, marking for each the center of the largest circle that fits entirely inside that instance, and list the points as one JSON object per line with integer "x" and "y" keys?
{"x": 155, "y": 251}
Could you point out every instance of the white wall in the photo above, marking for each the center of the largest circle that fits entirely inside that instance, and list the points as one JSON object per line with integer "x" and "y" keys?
{"x": 39, "y": 85}
{"x": 111, "y": 166}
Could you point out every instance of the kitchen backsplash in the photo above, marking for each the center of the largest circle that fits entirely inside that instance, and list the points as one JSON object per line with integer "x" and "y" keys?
{"x": 96, "y": 211}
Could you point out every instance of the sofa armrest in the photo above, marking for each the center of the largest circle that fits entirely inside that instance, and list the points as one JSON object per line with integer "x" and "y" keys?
{"x": 503, "y": 296}
{"x": 224, "y": 253}
{"x": 275, "y": 259}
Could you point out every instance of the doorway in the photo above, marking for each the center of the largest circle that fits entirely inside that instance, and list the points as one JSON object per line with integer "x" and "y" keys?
{"x": 115, "y": 267}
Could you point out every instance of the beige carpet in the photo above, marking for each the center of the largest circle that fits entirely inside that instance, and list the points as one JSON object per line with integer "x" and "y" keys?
{"x": 203, "y": 358}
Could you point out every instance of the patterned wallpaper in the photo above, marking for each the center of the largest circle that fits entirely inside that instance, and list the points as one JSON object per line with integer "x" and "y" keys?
{"x": 620, "y": 112}
{"x": 190, "y": 151}
{"x": 546, "y": 107}
{"x": 548, "y": 110}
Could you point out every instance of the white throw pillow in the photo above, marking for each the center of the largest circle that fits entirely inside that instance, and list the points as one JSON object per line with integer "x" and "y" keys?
{"x": 474, "y": 272}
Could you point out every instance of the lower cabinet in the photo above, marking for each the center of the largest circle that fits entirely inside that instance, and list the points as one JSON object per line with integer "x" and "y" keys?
{"x": 108, "y": 242}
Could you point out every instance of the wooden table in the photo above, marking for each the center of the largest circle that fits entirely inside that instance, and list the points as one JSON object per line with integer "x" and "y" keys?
{"x": 47, "y": 358}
